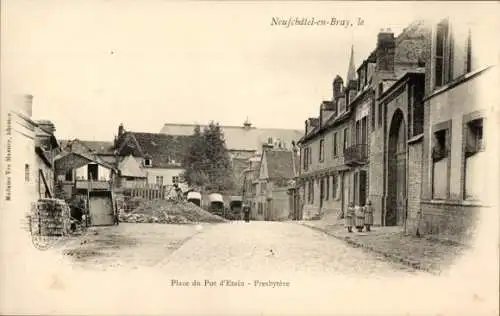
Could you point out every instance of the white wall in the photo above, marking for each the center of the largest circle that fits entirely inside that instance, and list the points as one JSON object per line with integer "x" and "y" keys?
{"x": 166, "y": 173}
{"x": 103, "y": 173}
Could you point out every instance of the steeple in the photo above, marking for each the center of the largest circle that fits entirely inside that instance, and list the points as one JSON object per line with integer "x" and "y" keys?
{"x": 351, "y": 71}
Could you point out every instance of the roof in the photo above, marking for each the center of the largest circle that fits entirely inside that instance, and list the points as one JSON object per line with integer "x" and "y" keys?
{"x": 78, "y": 145}
{"x": 399, "y": 81}
{"x": 279, "y": 164}
{"x": 165, "y": 151}
{"x": 92, "y": 157}
{"x": 131, "y": 167}
{"x": 240, "y": 138}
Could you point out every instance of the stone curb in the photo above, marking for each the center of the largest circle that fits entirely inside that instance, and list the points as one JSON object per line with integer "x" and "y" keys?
{"x": 394, "y": 258}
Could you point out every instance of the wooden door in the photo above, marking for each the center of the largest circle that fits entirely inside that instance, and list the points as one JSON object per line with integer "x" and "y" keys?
{"x": 101, "y": 211}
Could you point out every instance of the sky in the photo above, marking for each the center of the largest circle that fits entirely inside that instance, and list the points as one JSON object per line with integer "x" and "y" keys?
{"x": 92, "y": 65}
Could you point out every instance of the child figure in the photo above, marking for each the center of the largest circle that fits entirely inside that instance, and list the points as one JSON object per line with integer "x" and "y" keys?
{"x": 368, "y": 215}
{"x": 360, "y": 218}
{"x": 349, "y": 217}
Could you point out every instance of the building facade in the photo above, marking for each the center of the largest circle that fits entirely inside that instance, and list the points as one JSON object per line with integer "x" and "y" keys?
{"x": 343, "y": 156}
{"x": 401, "y": 120}
{"x": 459, "y": 142}
{"x": 277, "y": 171}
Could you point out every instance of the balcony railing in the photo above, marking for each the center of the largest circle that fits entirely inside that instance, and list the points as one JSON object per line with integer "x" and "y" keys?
{"x": 93, "y": 185}
{"x": 356, "y": 154}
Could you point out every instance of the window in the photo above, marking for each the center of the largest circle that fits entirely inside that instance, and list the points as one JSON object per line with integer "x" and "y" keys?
{"x": 440, "y": 150}
{"x": 175, "y": 179}
{"x": 441, "y": 41}
{"x": 69, "y": 175}
{"x": 468, "y": 62}
{"x": 335, "y": 149}
{"x": 260, "y": 208}
{"x": 474, "y": 142}
{"x": 373, "y": 113}
{"x": 346, "y": 138}
{"x": 92, "y": 172}
{"x": 27, "y": 173}
{"x": 474, "y": 172}
{"x": 327, "y": 192}
{"x": 441, "y": 161}
{"x": 334, "y": 186}
{"x": 159, "y": 180}
{"x": 148, "y": 162}
{"x": 380, "y": 113}
{"x": 321, "y": 149}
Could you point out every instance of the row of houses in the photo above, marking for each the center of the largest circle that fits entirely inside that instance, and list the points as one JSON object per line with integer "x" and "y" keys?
{"x": 406, "y": 131}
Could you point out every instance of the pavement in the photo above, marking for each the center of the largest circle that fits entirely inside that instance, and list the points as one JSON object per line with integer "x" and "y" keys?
{"x": 425, "y": 254}
{"x": 225, "y": 269}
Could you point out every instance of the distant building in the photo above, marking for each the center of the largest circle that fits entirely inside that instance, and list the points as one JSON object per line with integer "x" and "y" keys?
{"x": 242, "y": 141}
{"x": 278, "y": 168}
{"x": 161, "y": 155}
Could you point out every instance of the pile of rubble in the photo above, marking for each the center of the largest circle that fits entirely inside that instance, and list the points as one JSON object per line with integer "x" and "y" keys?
{"x": 168, "y": 212}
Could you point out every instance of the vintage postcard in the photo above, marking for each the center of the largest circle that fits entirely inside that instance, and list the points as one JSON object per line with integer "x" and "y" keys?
{"x": 249, "y": 157}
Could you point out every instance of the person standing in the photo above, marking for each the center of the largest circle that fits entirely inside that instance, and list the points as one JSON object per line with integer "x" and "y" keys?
{"x": 246, "y": 212}
{"x": 368, "y": 215}
{"x": 349, "y": 217}
{"x": 360, "y": 218}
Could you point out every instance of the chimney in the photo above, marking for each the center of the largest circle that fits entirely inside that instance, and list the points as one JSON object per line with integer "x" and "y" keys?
{"x": 327, "y": 109}
{"x": 386, "y": 50}
{"x": 337, "y": 87}
{"x": 24, "y": 104}
{"x": 121, "y": 130}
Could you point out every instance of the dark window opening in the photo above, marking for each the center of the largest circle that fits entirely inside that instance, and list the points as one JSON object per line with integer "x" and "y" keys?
{"x": 321, "y": 149}
{"x": 474, "y": 137}
{"x": 468, "y": 66}
{"x": 335, "y": 149}
{"x": 92, "y": 172}
{"x": 327, "y": 190}
{"x": 26, "y": 172}
{"x": 69, "y": 175}
{"x": 441, "y": 37}
{"x": 147, "y": 162}
{"x": 440, "y": 150}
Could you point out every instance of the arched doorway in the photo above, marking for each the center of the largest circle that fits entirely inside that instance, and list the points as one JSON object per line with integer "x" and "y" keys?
{"x": 396, "y": 171}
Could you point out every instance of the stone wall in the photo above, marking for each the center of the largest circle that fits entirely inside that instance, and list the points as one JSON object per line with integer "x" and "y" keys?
{"x": 414, "y": 185}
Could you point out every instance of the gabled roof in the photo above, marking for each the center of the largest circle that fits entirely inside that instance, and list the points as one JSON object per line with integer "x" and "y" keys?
{"x": 280, "y": 164}
{"x": 91, "y": 157}
{"x": 165, "y": 151}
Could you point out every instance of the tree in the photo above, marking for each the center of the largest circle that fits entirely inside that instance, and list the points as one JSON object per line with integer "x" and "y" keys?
{"x": 207, "y": 163}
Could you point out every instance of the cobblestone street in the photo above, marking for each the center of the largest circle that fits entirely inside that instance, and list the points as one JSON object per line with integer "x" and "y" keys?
{"x": 226, "y": 268}
{"x": 226, "y": 250}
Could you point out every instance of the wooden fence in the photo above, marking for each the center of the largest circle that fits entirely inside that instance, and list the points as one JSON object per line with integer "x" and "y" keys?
{"x": 151, "y": 192}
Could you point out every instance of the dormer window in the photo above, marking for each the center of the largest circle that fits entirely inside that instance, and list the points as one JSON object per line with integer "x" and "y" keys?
{"x": 148, "y": 162}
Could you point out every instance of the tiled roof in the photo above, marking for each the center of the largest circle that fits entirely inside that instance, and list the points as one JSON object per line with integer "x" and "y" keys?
{"x": 279, "y": 164}
{"x": 82, "y": 146}
{"x": 240, "y": 137}
{"x": 165, "y": 151}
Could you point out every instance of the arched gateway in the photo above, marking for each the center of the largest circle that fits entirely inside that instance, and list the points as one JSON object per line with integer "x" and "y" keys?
{"x": 396, "y": 171}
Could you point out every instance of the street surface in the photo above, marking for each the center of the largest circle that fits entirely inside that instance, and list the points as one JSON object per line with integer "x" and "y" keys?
{"x": 231, "y": 268}
{"x": 230, "y": 249}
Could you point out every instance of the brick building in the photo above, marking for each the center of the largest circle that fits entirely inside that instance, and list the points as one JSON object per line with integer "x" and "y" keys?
{"x": 401, "y": 121}
{"x": 459, "y": 150}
